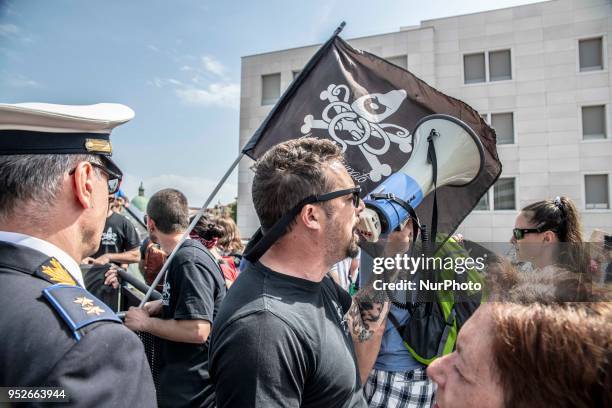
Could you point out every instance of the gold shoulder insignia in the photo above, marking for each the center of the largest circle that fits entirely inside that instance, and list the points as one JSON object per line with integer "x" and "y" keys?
{"x": 83, "y": 301}
{"x": 94, "y": 310}
{"x": 56, "y": 272}
{"x": 88, "y": 305}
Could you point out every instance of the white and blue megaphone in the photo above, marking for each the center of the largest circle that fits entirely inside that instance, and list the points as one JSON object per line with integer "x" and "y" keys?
{"x": 459, "y": 159}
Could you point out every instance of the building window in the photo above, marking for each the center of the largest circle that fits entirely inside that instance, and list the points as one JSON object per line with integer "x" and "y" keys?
{"x": 503, "y": 123}
{"x": 596, "y": 192}
{"x": 474, "y": 68}
{"x": 487, "y": 66}
{"x": 591, "y": 54}
{"x": 500, "y": 68}
{"x": 504, "y": 194}
{"x": 400, "y": 61}
{"x": 594, "y": 122}
{"x": 296, "y": 73}
{"x": 270, "y": 89}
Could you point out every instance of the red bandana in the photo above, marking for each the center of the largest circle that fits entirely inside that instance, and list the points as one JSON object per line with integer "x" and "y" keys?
{"x": 208, "y": 244}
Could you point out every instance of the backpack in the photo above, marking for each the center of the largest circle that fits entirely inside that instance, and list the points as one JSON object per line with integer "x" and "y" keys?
{"x": 153, "y": 261}
{"x": 432, "y": 329}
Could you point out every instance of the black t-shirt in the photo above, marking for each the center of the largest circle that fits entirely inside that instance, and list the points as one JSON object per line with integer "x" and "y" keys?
{"x": 193, "y": 290}
{"x": 281, "y": 341}
{"x": 119, "y": 236}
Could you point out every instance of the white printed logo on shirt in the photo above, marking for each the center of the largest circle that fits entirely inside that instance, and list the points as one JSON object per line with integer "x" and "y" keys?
{"x": 166, "y": 294}
{"x": 342, "y": 318}
{"x": 109, "y": 237}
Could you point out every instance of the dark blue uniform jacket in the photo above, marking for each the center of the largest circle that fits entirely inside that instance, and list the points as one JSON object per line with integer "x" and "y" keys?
{"x": 59, "y": 335}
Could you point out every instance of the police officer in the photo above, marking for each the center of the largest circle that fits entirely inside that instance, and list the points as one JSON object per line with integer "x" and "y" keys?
{"x": 55, "y": 178}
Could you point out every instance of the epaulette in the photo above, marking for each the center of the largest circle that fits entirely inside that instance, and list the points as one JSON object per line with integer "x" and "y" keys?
{"x": 78, "y": 307}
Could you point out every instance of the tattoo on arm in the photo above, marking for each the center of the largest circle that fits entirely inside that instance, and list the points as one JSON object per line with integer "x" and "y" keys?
{"x": 366, "y": 312}
{"x": 370, "y": 306}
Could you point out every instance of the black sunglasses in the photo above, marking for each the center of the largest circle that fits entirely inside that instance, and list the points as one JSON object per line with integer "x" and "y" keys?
{"x": 519, "y": 233}
{"x": 114, "y": 179}
{"x": 355, "y": 191}
{"x": 261, "y": 242}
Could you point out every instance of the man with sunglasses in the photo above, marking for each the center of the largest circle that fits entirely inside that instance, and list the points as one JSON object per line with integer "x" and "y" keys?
{"x": 55, "y": 178}
{"x": 280, "y": 338}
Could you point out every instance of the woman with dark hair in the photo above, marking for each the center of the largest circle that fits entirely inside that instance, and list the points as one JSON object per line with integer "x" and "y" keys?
{"x": 230, "y": 243}
{"x": 208, "y": 232}
{"x": 549, "y": 232}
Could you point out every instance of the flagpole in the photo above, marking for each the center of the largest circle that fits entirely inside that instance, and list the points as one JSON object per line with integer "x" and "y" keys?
{"x": 196, "y": 218}
{"x": 339, "y": 29}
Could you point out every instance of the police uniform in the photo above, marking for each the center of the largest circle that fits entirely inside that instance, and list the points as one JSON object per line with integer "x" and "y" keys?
{"x": 54, "y": 332}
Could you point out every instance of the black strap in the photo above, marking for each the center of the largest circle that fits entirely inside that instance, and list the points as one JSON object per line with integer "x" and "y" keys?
{"x": 431, "y": 158}
{"x": 416, "y": 227}
{"x": 260, "y": 243}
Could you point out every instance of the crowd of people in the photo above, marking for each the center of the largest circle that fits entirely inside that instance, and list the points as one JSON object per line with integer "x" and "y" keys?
{"x": 292, "y": 319}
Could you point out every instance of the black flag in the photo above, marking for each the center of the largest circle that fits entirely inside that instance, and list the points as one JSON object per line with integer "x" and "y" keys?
{"x": 370, "y": 107}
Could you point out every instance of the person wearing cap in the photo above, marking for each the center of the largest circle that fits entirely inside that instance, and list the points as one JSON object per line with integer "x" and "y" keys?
{"x": 55, "y": 178}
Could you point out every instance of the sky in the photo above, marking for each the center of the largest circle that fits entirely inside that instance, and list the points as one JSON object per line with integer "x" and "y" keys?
{"x": 177, "y": 65}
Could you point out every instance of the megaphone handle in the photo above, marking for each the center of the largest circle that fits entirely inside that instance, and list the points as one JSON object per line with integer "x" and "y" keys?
{"x": 431, "y": 156}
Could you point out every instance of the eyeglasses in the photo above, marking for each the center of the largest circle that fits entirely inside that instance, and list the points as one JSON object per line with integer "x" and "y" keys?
{"x": 334, "y": 194}
{"x": 519, "y": 233}
{"x": 114, "y": 179}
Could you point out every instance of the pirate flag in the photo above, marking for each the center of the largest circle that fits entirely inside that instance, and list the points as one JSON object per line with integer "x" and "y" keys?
{"x": 369, "y": 107}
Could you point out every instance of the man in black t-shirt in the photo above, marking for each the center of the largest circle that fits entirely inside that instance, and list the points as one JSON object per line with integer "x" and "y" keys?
{"x": 193, "y": 291}
{"x": 119, "y": 244}
{"x": 281, "y": 339}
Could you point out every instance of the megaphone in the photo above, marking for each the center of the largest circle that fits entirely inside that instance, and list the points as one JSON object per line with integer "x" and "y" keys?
{"x": 460, "y": 159}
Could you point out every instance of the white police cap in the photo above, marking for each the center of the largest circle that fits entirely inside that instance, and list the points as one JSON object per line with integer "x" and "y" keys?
{"x": 44, "y": 128}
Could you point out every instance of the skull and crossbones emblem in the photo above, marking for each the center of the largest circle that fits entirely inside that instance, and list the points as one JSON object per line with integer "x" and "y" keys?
{"x": 361, "y": 124}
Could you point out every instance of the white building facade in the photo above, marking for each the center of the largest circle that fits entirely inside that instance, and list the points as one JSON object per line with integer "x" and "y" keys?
{"x": 539, "y": 74}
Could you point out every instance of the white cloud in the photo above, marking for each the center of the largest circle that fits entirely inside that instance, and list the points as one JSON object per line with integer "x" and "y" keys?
{"x": 198, "y": 79}
{"x": 202, "y": 83}
{"x": 156, "y": 82}
{"x": 197, "y": 189}
{"x": 212, "y": 65}
{"x": 20, "y": 81}
{"x": 224, "y": 95}
{"x": 9, "y": 29}
{"x": 152, "y": 48}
